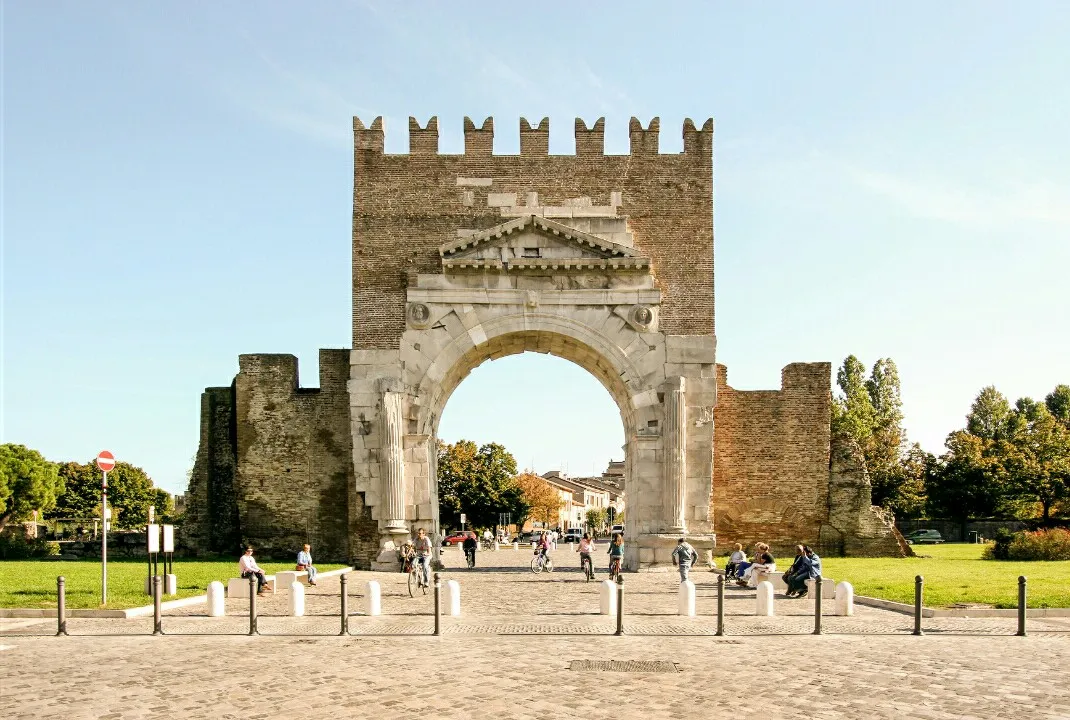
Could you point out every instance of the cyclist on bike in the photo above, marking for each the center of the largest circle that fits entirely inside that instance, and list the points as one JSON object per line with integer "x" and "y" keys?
{"x": 585, "y": 549}
{"x": 423, "y": 554}
{"x": 469, "y": 544}
{"x": 544, "y": 545}
{"x": 616, "y": 552}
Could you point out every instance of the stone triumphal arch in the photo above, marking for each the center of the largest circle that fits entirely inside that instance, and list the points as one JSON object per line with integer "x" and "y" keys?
{"x": 604, "y": 260}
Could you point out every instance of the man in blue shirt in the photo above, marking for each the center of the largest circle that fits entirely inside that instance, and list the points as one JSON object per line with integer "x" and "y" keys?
{"x": 304, "y": 562}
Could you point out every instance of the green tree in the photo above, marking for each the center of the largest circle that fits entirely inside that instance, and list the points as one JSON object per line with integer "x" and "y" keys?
{"x": 479, "y": 482}
{"x": 990, "y": 415}
{"x": 542, "y": 499}
{"x": 597, "y": 518}
{"x": 130, "y": 493}
{"x": 28, "y": 482}
{"x": 1058, "y": 404}
{"x": 966, "y": 482}
{"x": 853, "y": 414}
{"x": 1037, "y": 457}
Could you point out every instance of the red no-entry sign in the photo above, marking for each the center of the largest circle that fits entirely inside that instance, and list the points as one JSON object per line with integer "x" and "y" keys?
{"x": 105, "y": 461}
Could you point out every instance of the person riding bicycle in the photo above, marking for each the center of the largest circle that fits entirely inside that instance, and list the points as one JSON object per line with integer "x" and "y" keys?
{"x": 616, "y": 552}
{"x": 469, "y": 544}
{"x": 422, "y": 546}
{"x": 586, "y": 547}
{"x": 544, "y": 545}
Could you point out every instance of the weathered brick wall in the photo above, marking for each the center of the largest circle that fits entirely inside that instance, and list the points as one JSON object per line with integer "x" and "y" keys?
{"x": 771, "y": 459}
{"x": 294, "y": 456}
{"x": 405, "y": 206}
{"x": 211, "y": 518}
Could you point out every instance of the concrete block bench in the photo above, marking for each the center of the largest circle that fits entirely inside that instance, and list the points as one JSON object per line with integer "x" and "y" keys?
{"x": 828, "y": 588}
{"x": 239, "y": 587}
{"x": 284, "y": 579}
{"x": 776, "y": 578}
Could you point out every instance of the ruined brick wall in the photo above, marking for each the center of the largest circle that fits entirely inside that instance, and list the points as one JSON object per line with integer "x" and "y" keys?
{"x": 210, "y": 523}
{"x": 294, "y": 456}
{"x": 405, "y": 206}
{"x": 771, "y": 459}
{"x": 855, "y": 526}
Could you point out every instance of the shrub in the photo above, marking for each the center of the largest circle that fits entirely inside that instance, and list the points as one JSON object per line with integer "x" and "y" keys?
{"x": 16, "y": 546}
{"x": 1051, "y": 544}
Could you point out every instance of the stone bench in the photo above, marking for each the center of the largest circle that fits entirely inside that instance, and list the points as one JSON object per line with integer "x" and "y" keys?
{"x": 776, "y": 578}
{"x": 239, "y": 587}
{"x": 828, "y": 588}
{"x": 284, "y": 579}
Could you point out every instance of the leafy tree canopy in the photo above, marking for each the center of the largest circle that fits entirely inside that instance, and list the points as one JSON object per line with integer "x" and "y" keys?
{"x": 543, "y": 500}
{"x": 28, "y": 482}
{"x": 478, "y": 482}
{"x": 130, "y": 493}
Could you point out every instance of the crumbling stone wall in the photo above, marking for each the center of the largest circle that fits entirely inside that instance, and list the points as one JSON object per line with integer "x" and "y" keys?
{"x": 294, "y": 456}
{"x": 211, "y": 518}
{"x": 771, "y": 459}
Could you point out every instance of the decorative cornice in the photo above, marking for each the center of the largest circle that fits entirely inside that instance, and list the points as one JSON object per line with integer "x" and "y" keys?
{"x": 539, "y": 224}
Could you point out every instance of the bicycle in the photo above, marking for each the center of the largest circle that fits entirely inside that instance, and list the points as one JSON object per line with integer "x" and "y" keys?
{"x": 416, "y": 576}
{"x": 614, "y": 567}
{"x": 470, "y": 558}
{"x": 541, "y": 562}
{"x": 587, "y": 566}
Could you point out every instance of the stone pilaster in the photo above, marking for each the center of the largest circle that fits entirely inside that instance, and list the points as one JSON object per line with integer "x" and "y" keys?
{"x": 675, "y": 439}
{"x": 392, "y": 464}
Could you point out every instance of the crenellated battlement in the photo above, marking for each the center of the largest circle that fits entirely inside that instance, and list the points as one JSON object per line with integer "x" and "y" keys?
{"x": 534, "y": 139}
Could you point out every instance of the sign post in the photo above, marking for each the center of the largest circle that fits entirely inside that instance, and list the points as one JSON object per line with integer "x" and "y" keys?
{"x": 105, "y": 461}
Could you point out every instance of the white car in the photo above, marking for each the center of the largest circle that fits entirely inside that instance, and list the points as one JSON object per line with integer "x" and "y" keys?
{"x": 617, "y": 529}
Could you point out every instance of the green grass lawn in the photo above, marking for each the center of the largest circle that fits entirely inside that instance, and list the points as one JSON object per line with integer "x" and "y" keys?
{"x": 954, "y": 573}
{"x": 32, "y": 583}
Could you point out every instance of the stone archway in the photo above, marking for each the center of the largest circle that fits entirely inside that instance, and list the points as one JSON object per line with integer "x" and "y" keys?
{"x": 542, "y": 285}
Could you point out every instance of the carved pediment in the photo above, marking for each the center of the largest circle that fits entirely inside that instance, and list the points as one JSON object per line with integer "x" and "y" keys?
{"x": 535, "y": 242}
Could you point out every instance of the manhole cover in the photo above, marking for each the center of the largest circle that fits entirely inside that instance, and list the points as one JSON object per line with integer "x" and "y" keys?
{"x": 623, "y": 666}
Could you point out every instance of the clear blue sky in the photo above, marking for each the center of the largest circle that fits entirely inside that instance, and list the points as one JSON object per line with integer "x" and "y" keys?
{"x": 891, "y": 180}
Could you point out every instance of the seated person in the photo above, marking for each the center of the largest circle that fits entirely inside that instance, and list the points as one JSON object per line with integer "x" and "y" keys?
{"x": 811, "y": 568}
{"x": 737, "y": 557}
{"x": 798, "y": 572}
{"x": 304, "y": 562}
{"x": 247, "y": 567}
{"x": 763, "y": 562}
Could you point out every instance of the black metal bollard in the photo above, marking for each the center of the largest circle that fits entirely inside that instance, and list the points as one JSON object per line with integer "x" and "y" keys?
{"x": 720, "y": 605}
{"x": 157, "y": 615}
{"x": 438, "y": 588}
{"x": 919, "y": 584}
{"x": 817, "y": 605}
{"x": 1021, "y": 606}
{"x": 252, "y": 606}
{"x": 61, "y": 606}
{"x": 620, "y": 605}
{"x": 344, "y": 591}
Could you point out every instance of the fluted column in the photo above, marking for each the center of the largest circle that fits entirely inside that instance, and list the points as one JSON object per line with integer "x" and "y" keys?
{"x": 675, "y": 439}
{"x": 392, "y": 462}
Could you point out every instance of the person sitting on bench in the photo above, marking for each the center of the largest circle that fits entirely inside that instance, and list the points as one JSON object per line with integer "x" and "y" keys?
{"x": 304, "y": 562}
{"x": 247, "y": 566}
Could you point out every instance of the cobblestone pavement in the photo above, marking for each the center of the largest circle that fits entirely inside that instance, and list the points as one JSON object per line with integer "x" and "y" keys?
{"x": 509, "y": 655}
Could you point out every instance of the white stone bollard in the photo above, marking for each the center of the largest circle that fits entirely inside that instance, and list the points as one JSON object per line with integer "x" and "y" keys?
{"x": 845, "y": 599}
{"x": 765, "y": 599}
{"x": 497, "y": 546}
{"x": 453, "y": 598}
{"x": 516, "y": 544}
{"x": 607, "y": 597}
{"x": 372, "y": 592}
{"x": 216, "y": 604}
{"x": 685, "y": 599}
{"x": 297, "y": 599}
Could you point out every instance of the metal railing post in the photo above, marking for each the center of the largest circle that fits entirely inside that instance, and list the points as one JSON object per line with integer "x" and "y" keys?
{"x": 157, "y": 615}
{"x": 720, "y": 605}
{"x": 61, "y": 606}
{"x": 919, "y": 585}
{"x": 438, "y": 588}
{"x": 252, "y": 606}
{"x": 817, "y": 605}
{"x": 620, "y": 605}
{"x": 1021, "y": 606}
{"x": 344, "y": 590}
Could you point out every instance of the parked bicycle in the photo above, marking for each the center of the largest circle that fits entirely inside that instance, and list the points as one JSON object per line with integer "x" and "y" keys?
{"x": 416, "y": 576}
{"x": 541, "y": 562}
